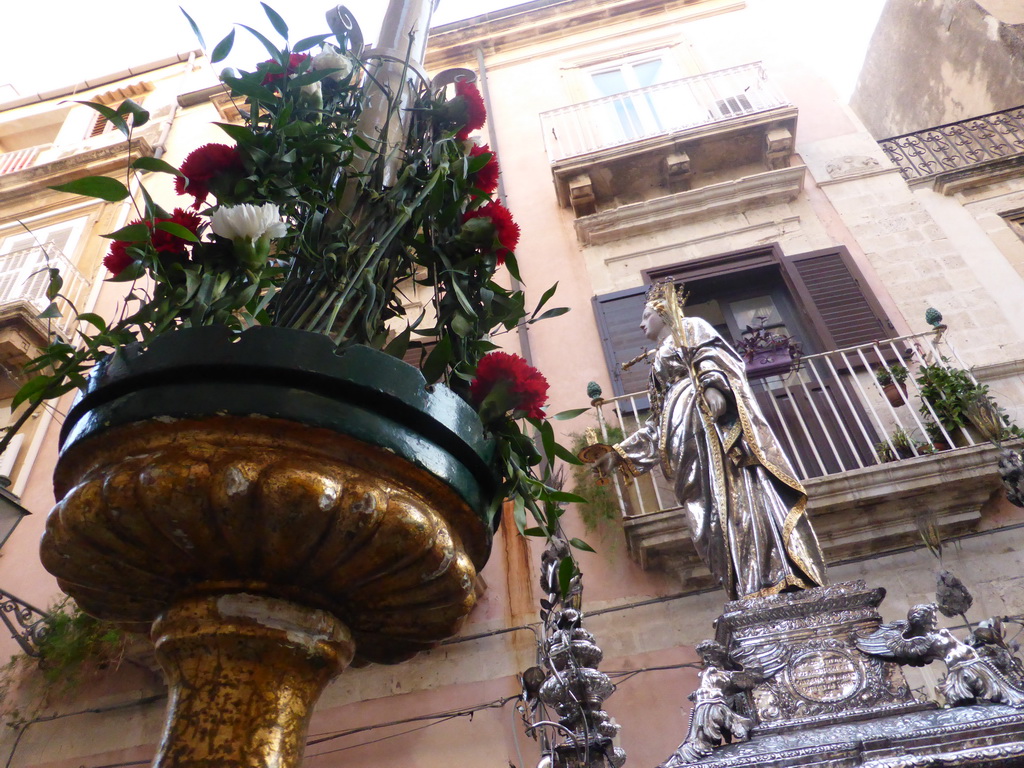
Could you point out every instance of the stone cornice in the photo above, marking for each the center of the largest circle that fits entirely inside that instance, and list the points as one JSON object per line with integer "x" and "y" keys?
{"x": 637, "y": 218}
{"x": 93, "y": 162}
{"x": 542, "y": 20}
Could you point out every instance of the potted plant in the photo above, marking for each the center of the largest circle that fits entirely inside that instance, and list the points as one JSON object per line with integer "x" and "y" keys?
{"x": 766, "y": 352}
{"x": 892, "y": 379}
{"x": 900, "y": 445}
{"x": 249, "y": 443}
{"x": 946, "y": 393}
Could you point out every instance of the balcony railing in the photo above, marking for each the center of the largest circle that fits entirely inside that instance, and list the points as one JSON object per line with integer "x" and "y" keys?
{"x": 24, "y": 279}
{"x": 830, "y": 415}
{"x": 958, "y": 145}
{"x": 658, "y": 110}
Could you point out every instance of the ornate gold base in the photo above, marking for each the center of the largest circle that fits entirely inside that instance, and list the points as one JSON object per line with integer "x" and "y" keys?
{"x": 244, "y": 672}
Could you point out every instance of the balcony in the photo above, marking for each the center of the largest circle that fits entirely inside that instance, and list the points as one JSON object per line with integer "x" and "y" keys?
{"x": 23, "y": 282}
{"x": 879, "y": 468}
{"x": 962, "y": 154}
{"x": 705, "y": 143}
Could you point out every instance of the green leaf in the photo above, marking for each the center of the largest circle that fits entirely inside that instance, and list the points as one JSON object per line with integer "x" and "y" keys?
{"x": 152, "y": 209}
{"x": 581, "y": 544}
{"x": 248, "y": 88}
{"x": 513, "y": 267}
{"x": 519, "y": 513}
{"x": 276, "y": 20}
{"x": 275, "y": 53}
{"x": 223, "y": 48}
{"x": 398, "y": 346}
{"x": 103, "y": 187}
{"x": 56, "y": 283}
{"x": 570, "y": 414}
{"x": 566, "y": 570}
{"x": 547, "y": 435}
{"x": 32, "y": 390}
{"x": 133, "y": 233}
{"x": 177, "y": 230}
{"x": 110, "y": 114}
{"x": 239, "y": 133}
{"x": 50, "y": 313}
{"x": 535, "y": 531}
{"x": 438, "y": 359}
{"x": 308, "y": 42}
{"x": 564, "y": 496}
{"x": 566, "y": 455}
{"x": 156, "y": 165}
{"x": 195, "y": 28}
{"x": 93, "y": 319}
{"x": 553, "y": 312}
{"x": 544, "y": 299}
{"x": 139, "y": 115}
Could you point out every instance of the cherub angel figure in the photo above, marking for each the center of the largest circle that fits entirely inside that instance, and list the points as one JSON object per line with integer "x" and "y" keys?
{"x": 971, "y": 676}
{"x": 714, "y": 719}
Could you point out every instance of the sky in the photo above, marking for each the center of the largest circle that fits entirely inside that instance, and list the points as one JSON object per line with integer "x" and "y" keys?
{"x": 79, "y": 40}
{"x": 48, "y": 44}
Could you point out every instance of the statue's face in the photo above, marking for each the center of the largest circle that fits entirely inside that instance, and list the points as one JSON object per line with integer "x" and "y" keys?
{"x": 652, "y": 323}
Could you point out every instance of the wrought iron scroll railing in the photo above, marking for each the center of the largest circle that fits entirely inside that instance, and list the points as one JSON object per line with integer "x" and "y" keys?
{"x": 830, "y": 414}
{"x": 657, "y": 110}
{"x": 957, "y": 145}
{"x": 24, "y": 277}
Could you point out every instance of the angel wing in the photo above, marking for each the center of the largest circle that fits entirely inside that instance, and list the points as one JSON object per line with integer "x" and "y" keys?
{"x": 890, "y": 642}
{"x": 759, "y": 663}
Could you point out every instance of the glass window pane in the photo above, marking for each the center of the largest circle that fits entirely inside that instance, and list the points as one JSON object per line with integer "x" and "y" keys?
{"x": 647, "y": 73}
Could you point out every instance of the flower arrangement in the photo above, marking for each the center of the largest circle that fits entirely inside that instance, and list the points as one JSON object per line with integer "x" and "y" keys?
{"x": 304, "y": 219}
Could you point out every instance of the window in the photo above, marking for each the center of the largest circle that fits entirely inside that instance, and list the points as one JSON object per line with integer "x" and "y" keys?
{"x": 816, "y": 297}
{"x": 636, "y": 98}
{"x": 25, "y": 256}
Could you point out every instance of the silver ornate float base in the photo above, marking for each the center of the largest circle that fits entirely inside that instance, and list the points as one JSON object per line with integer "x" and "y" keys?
{"x": 795, "y": 675}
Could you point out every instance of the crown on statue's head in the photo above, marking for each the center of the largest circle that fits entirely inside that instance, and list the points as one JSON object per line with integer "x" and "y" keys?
{"x": 662, "y": 293}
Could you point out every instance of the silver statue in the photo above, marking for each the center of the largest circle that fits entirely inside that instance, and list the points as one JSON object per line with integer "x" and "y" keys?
{"x": 984, "y": 670}
{"x": 745, "y": 507}
{"x": 716, "y": 718}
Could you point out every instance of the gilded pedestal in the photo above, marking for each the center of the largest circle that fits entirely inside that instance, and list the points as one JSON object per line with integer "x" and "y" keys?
{"x": 267, "y": 543}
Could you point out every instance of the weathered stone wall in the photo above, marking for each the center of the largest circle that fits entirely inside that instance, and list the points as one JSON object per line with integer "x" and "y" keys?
{"x": 933, "y": 62}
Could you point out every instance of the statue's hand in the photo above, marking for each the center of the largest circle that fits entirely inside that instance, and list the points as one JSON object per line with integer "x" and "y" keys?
{"x": 716, "y": 402}
{"x": 606, "y": 464}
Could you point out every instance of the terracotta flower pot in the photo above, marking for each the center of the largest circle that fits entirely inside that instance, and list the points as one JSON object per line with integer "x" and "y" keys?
{"x": 895, "y": 393}
{"x": 268, "y": 499}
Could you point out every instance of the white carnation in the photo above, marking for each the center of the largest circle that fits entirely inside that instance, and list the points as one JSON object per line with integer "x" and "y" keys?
{"x": 330, "y": 58}
{"x": 248, "y": 222}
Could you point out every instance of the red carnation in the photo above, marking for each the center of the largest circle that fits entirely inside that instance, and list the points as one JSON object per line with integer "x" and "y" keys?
{"x": 118, "y": 259}
{"x": 506, "y": 383}
{"x": 505, "y": 229}
{"x": 486, "y": 179}
{"x": 474, "y": 111}
{"x": 165, "y": 242}
{"x": 204, "y": 165}
{"x": 293, "y": 64}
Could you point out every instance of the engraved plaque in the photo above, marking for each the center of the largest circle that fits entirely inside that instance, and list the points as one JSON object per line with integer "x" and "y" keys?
{"x": 825, "y": 676}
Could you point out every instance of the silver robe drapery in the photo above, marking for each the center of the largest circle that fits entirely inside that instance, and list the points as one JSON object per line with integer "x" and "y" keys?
{"x": 745, "y": 508}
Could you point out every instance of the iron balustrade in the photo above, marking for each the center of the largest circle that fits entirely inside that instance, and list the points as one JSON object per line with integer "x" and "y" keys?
{"x": 657, "y": 110}
{"x": 959, "y": 145}
{"x": 830, "y": 415}
{"x": 24, "y": 277}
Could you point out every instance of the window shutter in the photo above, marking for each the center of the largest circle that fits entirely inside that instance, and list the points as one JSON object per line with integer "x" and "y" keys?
{"x": 618, "y": 319}
{"x": 830, "y": 289}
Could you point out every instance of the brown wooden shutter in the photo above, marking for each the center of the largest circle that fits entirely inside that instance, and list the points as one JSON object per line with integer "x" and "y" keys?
{"x": 830, "y": 288}
{"x": 618, "y": 320}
